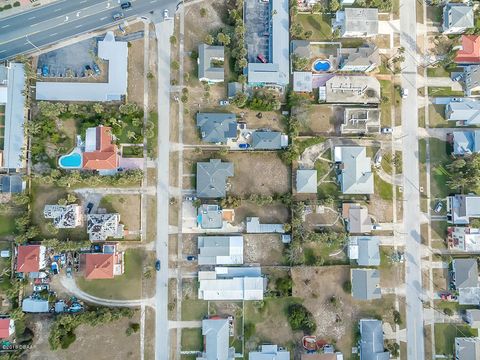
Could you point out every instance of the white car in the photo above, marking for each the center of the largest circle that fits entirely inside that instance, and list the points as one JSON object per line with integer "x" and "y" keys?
{"x": 165, "y": 13}
{"x": 224, "y": 102}
{"x": 387, "y": 130}
{"x": 404, "y": 93}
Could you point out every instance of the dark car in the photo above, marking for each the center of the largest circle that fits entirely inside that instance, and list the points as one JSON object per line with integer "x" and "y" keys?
{"x": 126, "y": 5}
{"x": 89, "y": 207}
{"x": 157, "y": 265}
{"x": 191, "y": 258}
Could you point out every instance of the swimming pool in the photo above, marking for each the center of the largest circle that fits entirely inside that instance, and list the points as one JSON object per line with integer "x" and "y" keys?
{"x": 321, "y": 65}
{"x": 71, "y": 161}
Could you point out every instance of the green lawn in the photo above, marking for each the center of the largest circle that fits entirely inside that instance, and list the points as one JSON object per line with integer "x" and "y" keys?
{"x": 445, "y": 336}
{"x": 192, "y": 340}
{"x": 443, "y": 91}
{"x": 327, "y": 189}
{"x": 387, "y": 92}
{"x": 7, "y": 225}
{"x": 439, "y": 175}
{"x": 322, "y": 167}
{"x": 437, "y": 72}
{"x": 132, "y": 151}
{"x": 436, "y": 116}
{"x": 434, "y": 13}
{"x": 193, "y": 309}
{"x": 319, "y": 24}
{"x": 123, "y": 287}
{"x": 439, "y": 229}
{"x": 383, "y": 189}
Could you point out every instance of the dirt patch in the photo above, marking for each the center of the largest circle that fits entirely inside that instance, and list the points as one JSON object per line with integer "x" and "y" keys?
{"x": 336, "y": 319}
{"x": 276, "y": 214}
{"x": 440, "y": 279}
{"x": 86, "y": 346}
{"x": 136, "y": 72}
{"x": 381, "y": 210}
{"x": 318, "y": 119}
{"x": 265, "y": 249}
{"x": 391, "y": 273}
{"x": 259, "y": 173}
{"x": 129, "y": 208}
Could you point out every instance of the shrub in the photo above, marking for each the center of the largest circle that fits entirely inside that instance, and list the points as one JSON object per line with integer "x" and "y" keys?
{"x": 16, "y": 4}
{"x": 347, "y": 286}
{"x": 300, "y": 318}
{"x": 249, "y": 330}
{"x": 397, "y": 319}
{"x": 448, "y": 311}
{"x": 284, "y": 286}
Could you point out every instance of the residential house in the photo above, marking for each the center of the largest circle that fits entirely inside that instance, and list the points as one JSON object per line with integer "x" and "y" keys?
{"x": 465, "y": 239}
{"x": 356, "y": 22}
{"x": 302, "y": 81}
{"x": 100, "y": 227}
{"x": 104, "y": 265}
{"x": 210, "y": 63}
{"x": 356, "y": 218}
{"x": 7, "y": 327}
{"x": 472, "y": 317}
{"x": 31, "y": 258}
{"x": 100, "y": 152}
{"x": 467, "y": 348}
{"x": 270, "y": 352}
{"x": 465, "y": 278}
{"x": 64, "y": 216}
{"x": 371, "y": 340}
{"x": 212, "y": 178}
{"x": 255, "y": 227}
{"x": 355, "y": 171}
{"x": 116, "y": 55}
{"x": 469, "y": 52}
{"x": 465, "y": 112}
{"x": 220, "y": 250}
{"x": 352, "y": 89}
{"x": 466, "y": 142}
{"x": 460, "y": 208}
{"x": 365, "y": 284}
{"x": 471, "y": 78}
{"x": 361, "y": 121}
{"x": 269, "y": 140}
{"x": 365, "y": 250}
{"x": 364, "y": 59}
{"x": 12, "y": 100}
{"x": 231, "y": 283}
{"x": 457, "y": 18}
{"x": 216, "y": 333}
{"x": 276, "y": 70}
{"x": 306, "y": 181}
{"x": 210, "y": 217}
{"x": 35, "y": 305}
{"x": 217, "y": 128}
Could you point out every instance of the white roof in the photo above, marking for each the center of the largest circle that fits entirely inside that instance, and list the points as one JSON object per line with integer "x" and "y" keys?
{"x": 307, "y": 181}
{"x": 116, "y": 52}
{"x": 220, "y": 250}
{"x": 302, "y": 81}
{"x": 280, "y": 39}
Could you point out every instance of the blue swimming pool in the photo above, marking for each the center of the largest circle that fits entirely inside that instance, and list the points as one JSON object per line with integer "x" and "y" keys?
{"x": 321, "y": 65}
{"x": 73, "y": 160}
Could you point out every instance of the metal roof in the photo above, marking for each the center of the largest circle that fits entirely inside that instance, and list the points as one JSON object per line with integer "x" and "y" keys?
{"x": 302, "y": 81}
{"x": 13, "y": 184}
{"x": 458, "y": 16}
{"x": 466, "y": 142}
{"x": 269, "y": 352}
{"x": 217, "y": 339}
{"x": 368, "y": 250}
{"x": 32, "y": 305}
{"x": 466, "y": 273}
{"x": 254, "y": 226}
{"x": 356, "y": 176}
{"x": 267, "y": 140}
{"x": 371, "y": 342}
{"x": 220, "y": 250}
{"x": 207, "y": 72}
{"x": 467, "y": 348}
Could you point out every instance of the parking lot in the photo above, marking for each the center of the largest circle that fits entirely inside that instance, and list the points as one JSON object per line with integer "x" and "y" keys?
{"x": 257, "y": 24}
{"x": 71, "y": 61}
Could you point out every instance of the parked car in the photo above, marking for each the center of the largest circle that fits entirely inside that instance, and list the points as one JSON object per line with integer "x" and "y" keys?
{"x": 45, "y": 70}
{"x": 96, "y": 68}
{"x": 126, "y": 5}
{"x": 261, "y": 58}
{"x": 387, "y": 130}
{"x": 38, "y": 288}
{"x": 118, "y": 16}
{"x": 89, "y": 208}
{"x": 243, "y": 146}
{"x": 157, "y": 265}
{"x": 191, "y": 258}
{"x": 165, "y": 13}
{"x": 224, "y": 102}
{"x": 438, "y": 207}
{"x": 190, "y": 198}
{"x": 404, "y": 93}
{"x": 458, "y": 77}
{"x": 376, "y": 227}
{"x": 378, "y": 160}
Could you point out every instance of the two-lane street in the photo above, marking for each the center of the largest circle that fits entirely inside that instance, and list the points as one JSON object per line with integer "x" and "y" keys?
{"x": 32, "y": 30}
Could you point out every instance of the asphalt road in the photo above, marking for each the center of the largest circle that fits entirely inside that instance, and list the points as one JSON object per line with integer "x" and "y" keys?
{"x": 32, "y": 30}
{"x": 411, "y": 188}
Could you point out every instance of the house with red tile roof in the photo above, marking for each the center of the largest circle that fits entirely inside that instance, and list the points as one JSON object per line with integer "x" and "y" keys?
{"x": 104, "y": 265}
{"x": 30, "y": 258}
{"x": 7, "y": 328}
{"x": 100, "y": 151}
{"x": 469, "y": 52}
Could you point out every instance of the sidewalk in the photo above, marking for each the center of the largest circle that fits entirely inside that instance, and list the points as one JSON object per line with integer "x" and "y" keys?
{"x": 25, "y": 5}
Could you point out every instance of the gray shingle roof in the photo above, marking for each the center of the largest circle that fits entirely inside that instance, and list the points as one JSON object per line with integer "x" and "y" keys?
{"x": 212, "y": 178}
{"x": 365, "y": 284}
{"x": 467, "y": 110}
{"x": 356, "y": 175}
{"x": 217, "y": 127}
{"x": 12, "y": 184}
{"x": 365, "y": 56}
{"x": 207, "y": 53}
{"x": 466, "y": 273}
{"x": 368, "y": 251}
{"x": 220, "y": 250}
{"x": 371, "y": 342}
{"x": 267, "y": 140}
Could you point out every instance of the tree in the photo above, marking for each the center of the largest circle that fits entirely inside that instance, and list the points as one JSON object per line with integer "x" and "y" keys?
{"x": 209, "y": 39}
{"x": 347, "y": 286}
{"x": 284, "y": 286}
{"x": 242, "y": 79}
{"x": 71, "y": 198}
{"x": 175, "y": 65}
{"x": 300, "y": 318}
{"x": 294, "y": 253}
{"x": 203, "y": 12}
{"x": 448, "y": 311}
{"x": 308, "y": 34}
{"x": 131, "y": 135}
{"x": 333, "y": 5}
{"x": 296, "y": 30}
{"x": 397, "y": 318}
{"x": 128, "y": 109}
{"x": 317, "y": 8}
{"x": 240, "y": 99}
{"x": 173, "y": 40}
{"x": 98, "y": 108}
{"x": 223, "y": 39}
{"x": 300, "y": 63}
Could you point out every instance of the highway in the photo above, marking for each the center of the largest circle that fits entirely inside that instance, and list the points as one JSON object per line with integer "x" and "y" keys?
{"x": 33, "y": 30}
{"x": 411, "y": 188}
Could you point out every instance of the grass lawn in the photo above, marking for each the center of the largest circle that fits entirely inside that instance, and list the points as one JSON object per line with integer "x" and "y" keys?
{"x": 439, "y": 229}
{"x": 327, "y": 189}
{"x": 192, "y": 340}
{"x": 384, "y": 189}
{"x": 319, "y": 24}
{"x": 128, "y": 206}
{"x": 439, "y": 175}
{"x": 322, "y": 168}
{"x": 7, "y": 225}
{"x": 304, "y": 144}
{"x": 436, "y": 116}
{"x": 437, "y": 72}
{"x": 434, "y": 13}
{"x": 132, "y": 151}
{"x": 152, "y": 141}
{"x": 193, "y": 309}
{"x": 445, "y": 336}
{"x": 443, "y": 91}
{"x": 123, "y": 287}
{"x": 386, "y": 106}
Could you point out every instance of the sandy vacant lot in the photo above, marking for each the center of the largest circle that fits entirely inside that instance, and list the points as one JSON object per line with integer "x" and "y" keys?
{"x": 265, "y": 249}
